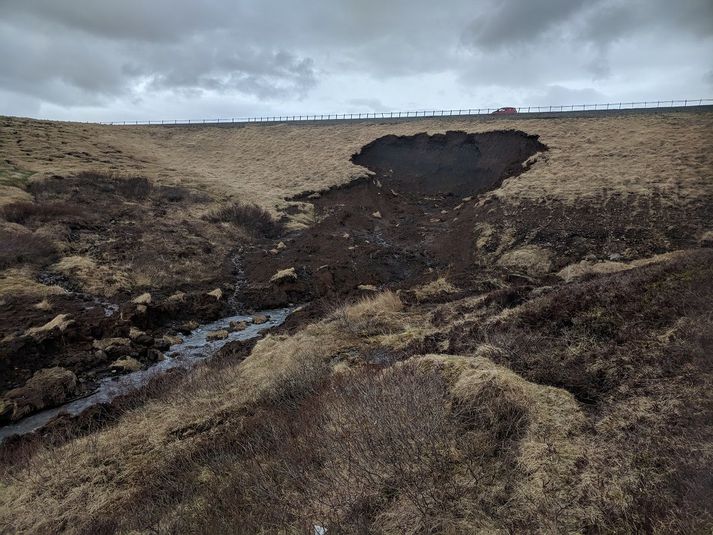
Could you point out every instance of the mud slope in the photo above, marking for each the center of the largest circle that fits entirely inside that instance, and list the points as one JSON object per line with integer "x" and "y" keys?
{"x": 414, "y": 215}
{"x": 454, "y": 163}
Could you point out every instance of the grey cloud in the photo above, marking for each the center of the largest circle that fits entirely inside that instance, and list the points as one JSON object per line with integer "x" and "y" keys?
{"x": 561, "y": 95}
{"x": 369, "y": 104}
{"x": 278, "y": 54}
{"x": 511, "y": 22}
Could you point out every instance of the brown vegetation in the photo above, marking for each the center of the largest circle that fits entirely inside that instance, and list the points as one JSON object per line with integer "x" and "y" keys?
{"x": 532, "y": 359}
{"x": 251, "y": 217}
{"x": 310, "y": 430}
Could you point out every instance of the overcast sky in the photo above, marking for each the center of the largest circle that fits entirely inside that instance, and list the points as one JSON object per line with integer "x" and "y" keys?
{"x": 168, "y": 59}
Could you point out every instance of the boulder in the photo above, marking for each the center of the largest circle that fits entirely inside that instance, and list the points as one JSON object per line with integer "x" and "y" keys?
{"x": 166, "y": 341}
{"x": 178, "y": 297}
{"x": 60, "y": 322}
{"x": 106, "y": 343}
{"x": 260, "y": 318}
{"x": 217, "y": 293}
{"x": 154, "y": 355}
{"x": 126, "y": 364}
{"x": 236, "y": 326}
{"x": 217, "y": 335}
{"x": 706, "y": 239}
{"x": 47, "y": 388}
{"x": 284, "y": 275}
{"x": 188, "y": 327}
{"x": 376, "y": 214}
{"x": 135, "y": 333}
{"x": 43, "y": 305}
{"x": 140, "y": 337}
{"x": 143, "y": 299}
{"x": 115, "y": 347}
{"x": 367, "y": 288}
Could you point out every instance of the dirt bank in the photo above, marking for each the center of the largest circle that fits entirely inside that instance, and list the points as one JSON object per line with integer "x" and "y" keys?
{"x": 414, "y": 215}
{"x": 454, "y": 164}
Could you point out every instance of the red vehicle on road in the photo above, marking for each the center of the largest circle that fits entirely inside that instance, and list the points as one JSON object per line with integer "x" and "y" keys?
{"x": 505, "y": 111}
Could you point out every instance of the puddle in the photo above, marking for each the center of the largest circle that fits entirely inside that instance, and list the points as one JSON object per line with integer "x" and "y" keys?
{"x": 194, "y": 349}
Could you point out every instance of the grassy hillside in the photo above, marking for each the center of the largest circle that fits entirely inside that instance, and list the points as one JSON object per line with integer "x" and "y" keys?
{"x": 534, "y": 357}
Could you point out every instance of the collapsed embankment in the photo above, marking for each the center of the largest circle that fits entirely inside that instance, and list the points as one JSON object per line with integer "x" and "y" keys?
{"x": 413, "y": 214}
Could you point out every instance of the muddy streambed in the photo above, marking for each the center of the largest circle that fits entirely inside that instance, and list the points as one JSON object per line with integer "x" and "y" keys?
{"x": 194, "y": 348}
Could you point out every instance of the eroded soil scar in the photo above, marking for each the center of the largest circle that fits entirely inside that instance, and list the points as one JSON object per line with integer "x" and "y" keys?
{"x": 413, "y": 216}
{"x": 455, "y": 163}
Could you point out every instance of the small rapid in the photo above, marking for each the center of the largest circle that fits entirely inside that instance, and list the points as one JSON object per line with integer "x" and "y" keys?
{"x": 194, "y": 348}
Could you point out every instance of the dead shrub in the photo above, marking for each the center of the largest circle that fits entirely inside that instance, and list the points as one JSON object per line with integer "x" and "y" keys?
{"x": 129, "y": 187}
{"x": 251, "y": 217}
{"x": 49, "y": 188}
{"x": 25, "y": 212}
{"x": 25, "y": 248}
{"x": 171, "y": 193}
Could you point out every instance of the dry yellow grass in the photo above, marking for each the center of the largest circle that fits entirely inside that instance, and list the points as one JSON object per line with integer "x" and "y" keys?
{"x": 642, "y": 154}
{"x": 22, "y": 281}
{"x": 435, "y": 288}
{"x": 587, "y": 267}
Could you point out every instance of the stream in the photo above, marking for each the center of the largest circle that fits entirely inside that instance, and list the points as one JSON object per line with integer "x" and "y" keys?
{"x": 193, "y": 349}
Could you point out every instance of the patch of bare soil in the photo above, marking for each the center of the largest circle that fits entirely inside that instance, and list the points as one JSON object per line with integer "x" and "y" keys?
{"x": 455, "y": 163}
{"x": 413, "y": 216}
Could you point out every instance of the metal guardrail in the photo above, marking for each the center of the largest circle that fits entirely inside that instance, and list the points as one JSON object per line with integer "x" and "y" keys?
{"x": 425, "y": 113}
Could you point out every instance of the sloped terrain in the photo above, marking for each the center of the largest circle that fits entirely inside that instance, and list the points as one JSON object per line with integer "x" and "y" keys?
{"x": 500, "y": 331}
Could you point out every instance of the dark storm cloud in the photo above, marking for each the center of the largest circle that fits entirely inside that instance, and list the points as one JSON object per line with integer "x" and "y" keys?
{"x": 508, "y": 23}
{"x": 125, "y": 57}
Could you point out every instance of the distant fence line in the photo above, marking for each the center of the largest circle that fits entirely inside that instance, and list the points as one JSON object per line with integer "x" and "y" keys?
{"x": 432, "y": 113}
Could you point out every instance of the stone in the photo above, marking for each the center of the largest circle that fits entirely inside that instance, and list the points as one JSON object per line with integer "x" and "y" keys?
{"x": 48, "y": 387}
{"x": 367, "y": 288}
{"x": 135, "y": 333}
{"x": 281, "y": 246}
{"x": 166, "y": 341}
{"x": 143, "y": 299}
{"x": 706, "y": 239}
{"x": 43, "y": 305}
{"x": 126, "y": 364}
{"x": 217, "y": 335}
{"x": 188, "y": 327}
{"x": 376, "y": 214}
{"x": 260, "y": 318}
{"x": 178, "y": 297}
{"x": 140, "y": 337}
{"x": 284, "y": 275}
{"x": 106, "y": 343}
{"x": 154, "y": 355}
{"x": 60, "y": 322}
{"x": 217, "y": 293}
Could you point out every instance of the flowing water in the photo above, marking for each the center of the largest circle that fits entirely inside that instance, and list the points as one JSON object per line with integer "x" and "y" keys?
{"x": 194, "y": 348}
